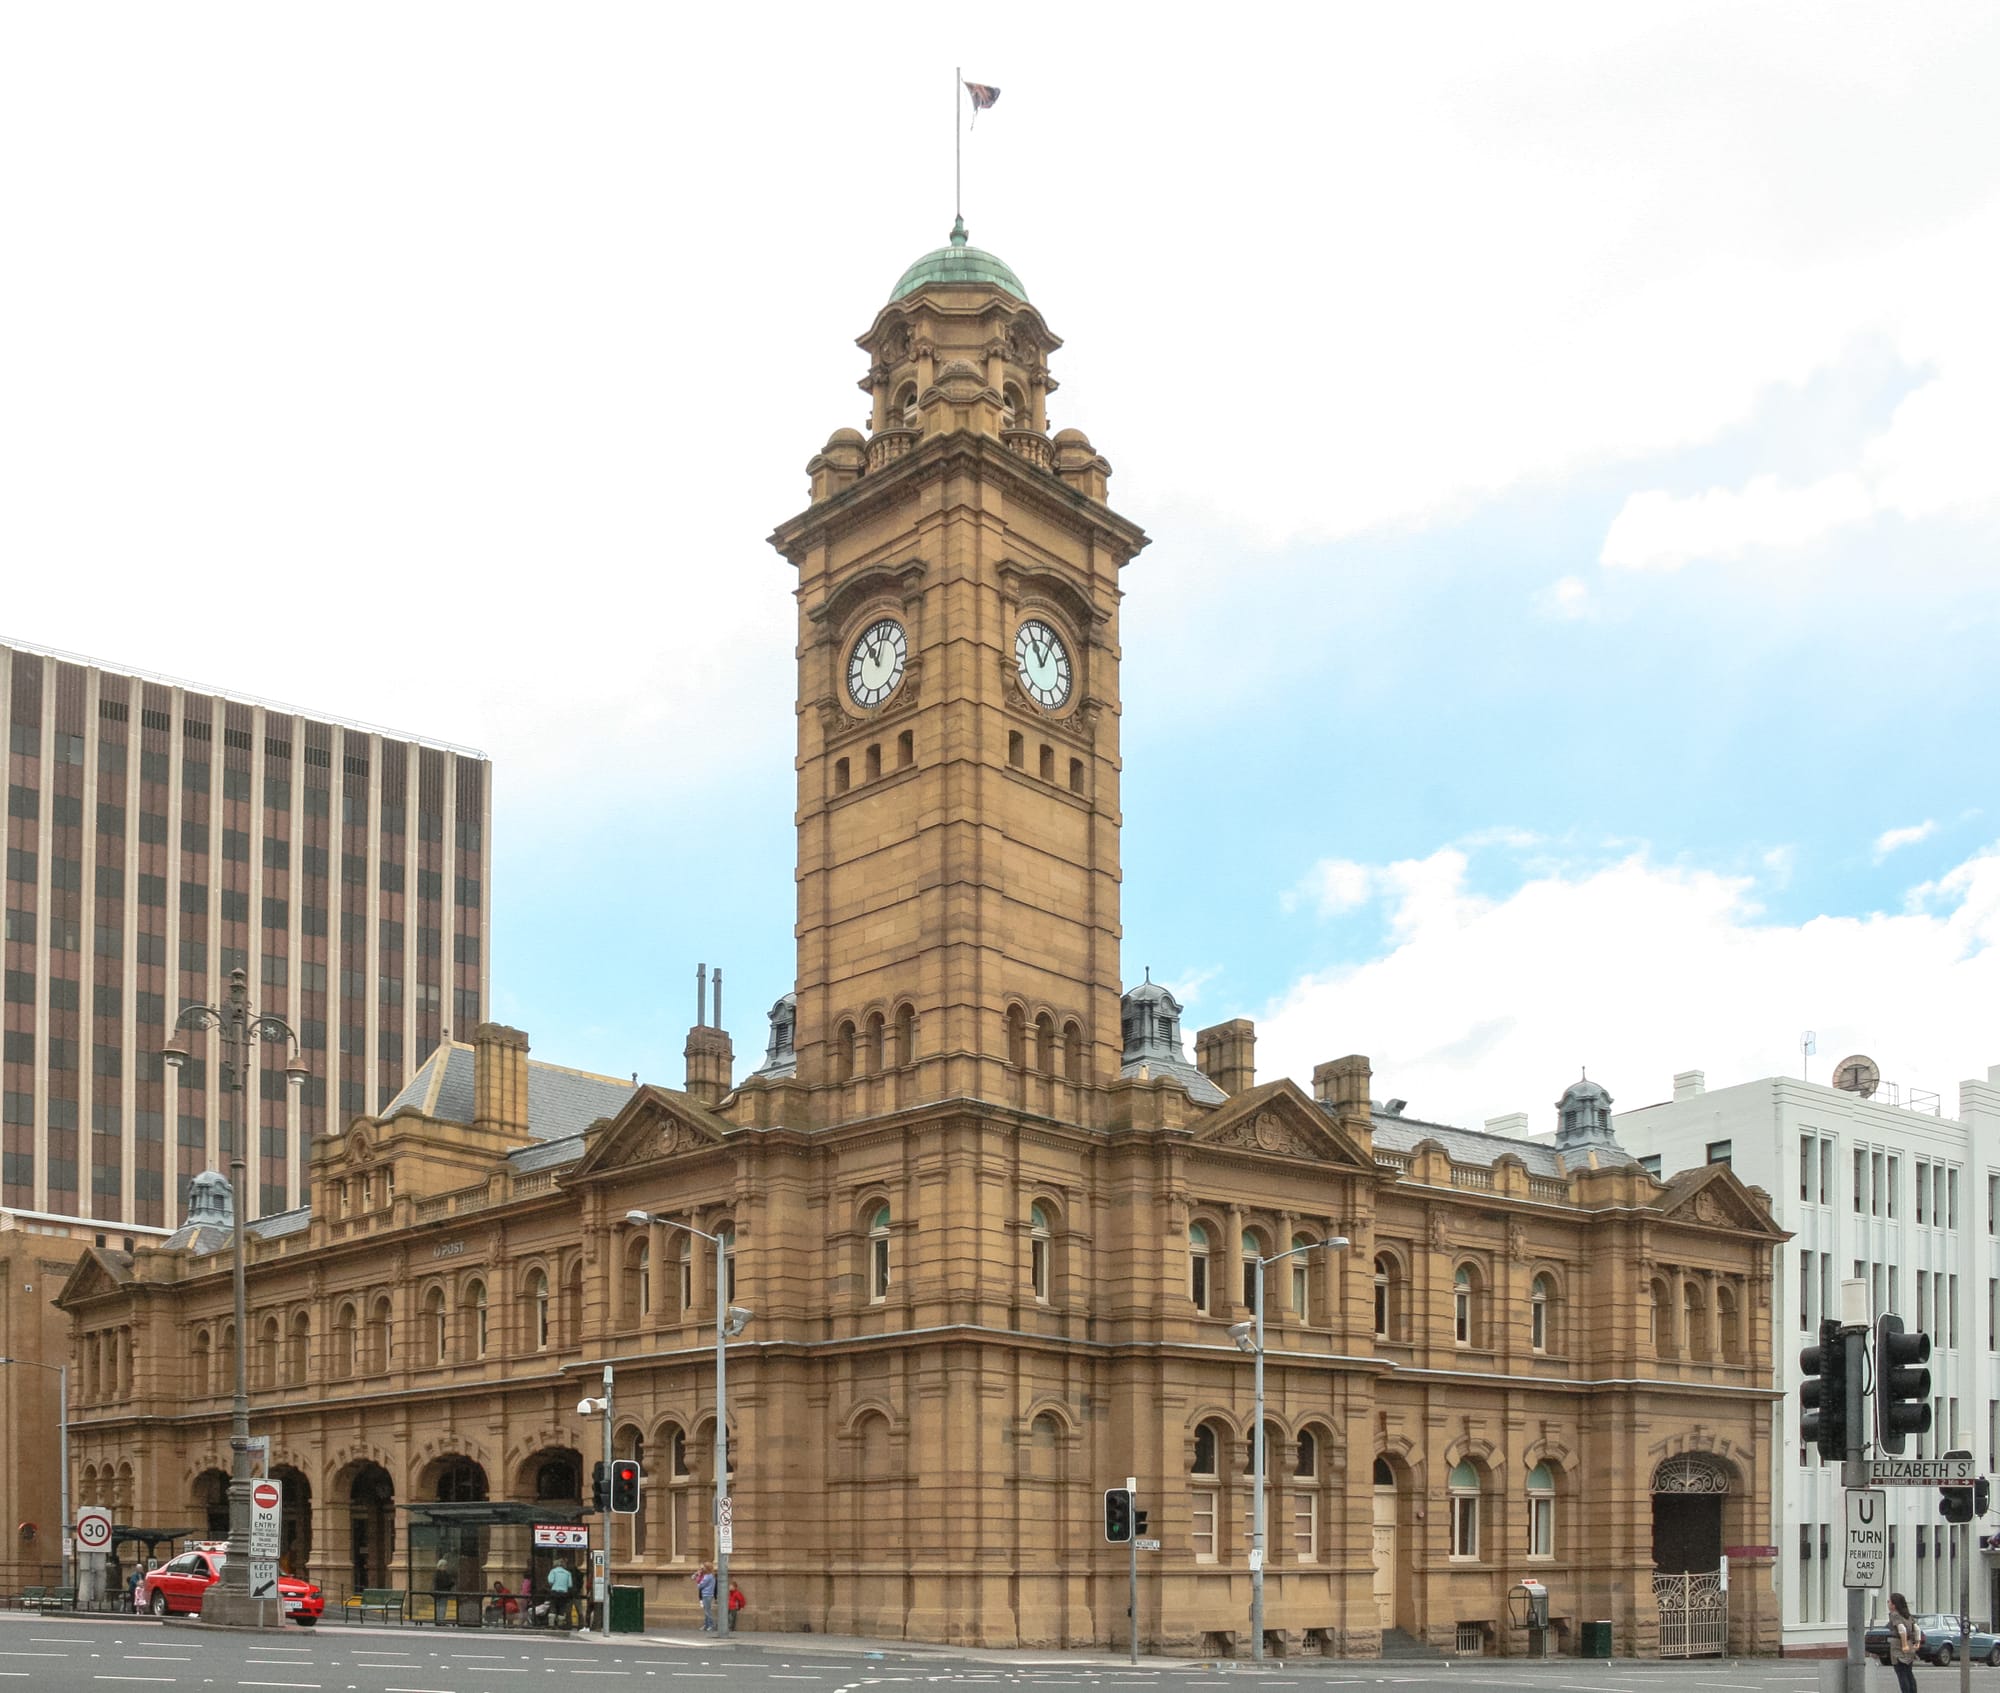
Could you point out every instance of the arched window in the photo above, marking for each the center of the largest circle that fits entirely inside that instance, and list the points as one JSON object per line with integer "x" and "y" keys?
{"x": 1464, "y": 1490}
{"x": 878, "y": 1255}
{"x": 1385, "y": 1287}
{"x": 1198, "y": 1267}
{"x": 1697, "y": 1322}
{"x": 1253, "y": 1249}
{"x": 682, "y": 1248}
{"x": 1017, "y": 1037}
{"x": 225, "y": 1357}
{"x": 1541, "y": 1512}
{"x": 873, "y": 1058}
{"x": 199, "y": 1363}
{"x": 1302, "y": 1265}
{"x": 1073, "y": 1053}
{"x": 538, "y": 1310}
{"x": 298, "y": 1348}
{"x": 344, "y": 1322}
{"x": 381, "y": 1339}
{"x": 437, "y": 1335}
{"x": 1468, "y": 1317}
{"x": 843, "y": 1051}
{"x": 677, "y": 1513}
{"x": 267, "y": 1353}
{"x": 1045, "y": 1044}
{"x": 1204, "y": 1495}
{"x": 728, "y": 1233}
{"x": 1039, "y": 1243}
{"x": 472, "y": 1304}
{"x": 1540, "y": 1298}
{"x": 1384, "y": 1473}
{"x": 906, "y": 1035}
{"x": 1729, "y": 1324}
{"x": 904, "y": 411}
{"x": 637, "y": 1294}
{"x": 1014, "y": 414}
{"x": 1659, "y": 1320}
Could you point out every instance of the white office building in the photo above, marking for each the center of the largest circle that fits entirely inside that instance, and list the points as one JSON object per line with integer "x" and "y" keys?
{"x": 1890, "y": 1191}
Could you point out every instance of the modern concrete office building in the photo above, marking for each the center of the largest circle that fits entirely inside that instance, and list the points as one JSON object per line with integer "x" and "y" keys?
{"x": 160, "y": 835}
{"x": 1899, "y": 1196}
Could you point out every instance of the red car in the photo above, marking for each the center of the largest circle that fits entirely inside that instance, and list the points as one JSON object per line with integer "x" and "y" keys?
{"x": 179, "y": 1584}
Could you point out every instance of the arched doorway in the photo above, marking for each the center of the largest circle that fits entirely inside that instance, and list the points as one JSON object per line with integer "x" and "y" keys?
{"x": 1385, "y": 1544}
{"x": 1689, "y": 1494}
{"x": 453, "y": 1480}
{"x": 210, "y": 1497}
{"x": 371, "y": 1524}
{"x": 295, "y": 1519}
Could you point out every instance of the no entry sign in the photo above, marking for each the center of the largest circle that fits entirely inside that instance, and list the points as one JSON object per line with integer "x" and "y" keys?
{"x": 267, "y": 1499}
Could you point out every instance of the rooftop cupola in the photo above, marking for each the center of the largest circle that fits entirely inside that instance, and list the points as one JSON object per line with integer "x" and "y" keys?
{"x": 1583, "y": 1127}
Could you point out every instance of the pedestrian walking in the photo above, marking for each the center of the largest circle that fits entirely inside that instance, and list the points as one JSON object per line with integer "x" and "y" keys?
{"x": 562, "y": 1587}
{"x": 1906, "y": 1641}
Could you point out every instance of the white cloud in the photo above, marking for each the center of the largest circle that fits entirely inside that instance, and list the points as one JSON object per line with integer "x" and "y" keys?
{"x": 1637, "y": 970}
{"x": 1568, "y": 598}
{"x": 1660, "y": 531}
{"x": 1890, "y": 839}
{"x": 1332, "y": 886}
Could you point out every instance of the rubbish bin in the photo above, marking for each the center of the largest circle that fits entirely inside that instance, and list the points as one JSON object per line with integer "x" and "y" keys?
{"x": 1597, "y": 1639}
{"x": 628, "y": 1610}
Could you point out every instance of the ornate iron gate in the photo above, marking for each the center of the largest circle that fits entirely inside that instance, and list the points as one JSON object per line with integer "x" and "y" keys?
{"x": 1694, "y": 1614}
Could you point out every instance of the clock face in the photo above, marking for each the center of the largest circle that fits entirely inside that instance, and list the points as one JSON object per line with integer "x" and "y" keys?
{"x": 1043, "y": 663}
{"x": 876, "y": 664}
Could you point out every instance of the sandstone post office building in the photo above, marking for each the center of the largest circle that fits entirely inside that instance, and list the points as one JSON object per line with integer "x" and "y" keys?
{"x": 992, "y": 1221}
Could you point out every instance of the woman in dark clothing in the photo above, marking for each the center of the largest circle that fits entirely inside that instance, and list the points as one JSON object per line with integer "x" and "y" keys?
{"x": 1905, "y": 1638}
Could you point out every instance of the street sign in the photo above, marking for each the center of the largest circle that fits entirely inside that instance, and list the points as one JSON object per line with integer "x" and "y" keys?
{"x": 725, "y": 1510}
{"x": 725, "y": 1539}
{"x": 1867, "y": 1561}
{"x": 267, "y": 1499}
{"x": 93, "y": 1528}
{"x": 1921, "y": 1472}
{"x": 263, "y": 1578}
{"x": 1749, "y": 1551}
{"x": 561, "y": 1535}
{"x": 1149, "y": 1546}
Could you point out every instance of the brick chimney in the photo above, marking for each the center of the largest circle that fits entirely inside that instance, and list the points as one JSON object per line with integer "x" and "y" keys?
{"x": 1227, "y": 1055}
{"x": 500, "y": 1080}
{"x": 1342, "y": 1085}
{"x": 711, "y": 1059}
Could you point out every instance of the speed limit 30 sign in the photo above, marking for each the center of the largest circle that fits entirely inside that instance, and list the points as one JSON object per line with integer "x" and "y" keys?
{"x": 93, "y": 1528}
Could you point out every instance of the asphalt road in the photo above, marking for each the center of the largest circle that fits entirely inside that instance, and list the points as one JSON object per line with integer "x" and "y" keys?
{"x": 72, "y": 1654}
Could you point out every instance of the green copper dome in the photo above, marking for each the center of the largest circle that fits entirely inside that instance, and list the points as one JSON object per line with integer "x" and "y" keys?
{"x": 961, "y": 264}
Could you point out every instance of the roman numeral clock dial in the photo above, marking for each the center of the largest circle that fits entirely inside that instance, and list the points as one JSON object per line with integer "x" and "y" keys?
{"x": 1043, "y": 664}
{"x": 877, "y": 662}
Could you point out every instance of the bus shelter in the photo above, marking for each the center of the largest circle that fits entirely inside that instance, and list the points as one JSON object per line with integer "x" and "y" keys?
{"x": 474, "y": 1563}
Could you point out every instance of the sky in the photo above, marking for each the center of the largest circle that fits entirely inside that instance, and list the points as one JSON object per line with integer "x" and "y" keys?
{"x": 1570, "y": 438}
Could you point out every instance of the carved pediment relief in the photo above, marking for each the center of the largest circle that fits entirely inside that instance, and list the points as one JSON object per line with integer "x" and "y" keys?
{"x": 656, "y": 1124}
{"x": 1279, "y": 1121}
{"x": 1712, "y": 1197}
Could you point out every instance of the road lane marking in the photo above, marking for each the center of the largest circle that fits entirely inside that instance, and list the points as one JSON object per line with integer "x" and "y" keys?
{"x": 277, "y": 1684}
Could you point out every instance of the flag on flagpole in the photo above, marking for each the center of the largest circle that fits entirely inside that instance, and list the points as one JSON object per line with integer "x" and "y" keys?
{"x": 982, "y": 97}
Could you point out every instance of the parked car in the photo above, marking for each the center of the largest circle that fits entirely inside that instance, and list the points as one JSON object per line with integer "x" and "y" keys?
{"x": 179, "y": 1584}
{"x": 1941, "y": 1642}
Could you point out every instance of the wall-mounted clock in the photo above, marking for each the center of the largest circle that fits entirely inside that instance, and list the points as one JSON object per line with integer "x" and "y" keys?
{"x": 1043, "y": 664}
{"x": 876, "y": 664}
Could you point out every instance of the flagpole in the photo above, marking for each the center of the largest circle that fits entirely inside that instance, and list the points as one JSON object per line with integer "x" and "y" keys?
{"x": 957, "y": 148}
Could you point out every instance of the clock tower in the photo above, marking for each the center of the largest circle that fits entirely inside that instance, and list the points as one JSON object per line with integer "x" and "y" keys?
{"x": 958, "y": 820}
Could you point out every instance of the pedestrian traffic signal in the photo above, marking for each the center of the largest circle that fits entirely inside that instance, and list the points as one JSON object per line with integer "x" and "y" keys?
{"x": 625, "y": 1479}
{"x": 1823, "y": 1392}
{"x": 1117, "y": 1515}
{"x": 1139, "y": 1522}
{"x": 1902, "y": 1386}
{"x": 1982, "y": 1497}
{"x": 600, "y": 1487}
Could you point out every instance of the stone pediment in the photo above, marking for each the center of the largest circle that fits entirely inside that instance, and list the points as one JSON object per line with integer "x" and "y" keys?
{"x": 1713, "y": 1197}
{"x": 95, "y": 1274}
{"x": 656, "y": 1125}
{"x": 1279, "y": 1121}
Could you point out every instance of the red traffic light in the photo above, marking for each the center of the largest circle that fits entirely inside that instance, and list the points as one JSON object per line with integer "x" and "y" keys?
{"x": 625, "y": 1479}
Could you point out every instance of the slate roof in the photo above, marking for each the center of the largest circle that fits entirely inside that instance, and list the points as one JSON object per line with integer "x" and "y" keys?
{"x": 546, "y": 1154}
{"x": 561, "y": 1102}
{"x": 1199, "y": 1088}
{"x": 1484, "y": 1149}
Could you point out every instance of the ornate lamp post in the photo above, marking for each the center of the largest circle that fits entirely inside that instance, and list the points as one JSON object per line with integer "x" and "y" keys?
{"x": 730, "y": 1321}
{"x": 230, "y": 1600}
{"x": 1250, "y": 1338}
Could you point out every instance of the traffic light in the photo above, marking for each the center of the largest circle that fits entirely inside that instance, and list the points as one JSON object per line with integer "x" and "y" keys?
{"x": 1823, "y": 1392}
{"x": 1117, "y": 1515}
{"x": 625, "y": 1478}
{"x": 600, "y": 1487}
{"x": 1902, "y": 1386}
{"x": 1955, "y": 1504}
{"x": 1139, "y": 1520}
{"x": 1982, "y": 1500}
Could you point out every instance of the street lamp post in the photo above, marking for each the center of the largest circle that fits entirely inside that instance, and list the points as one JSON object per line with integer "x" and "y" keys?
{"x": 730, "y": 1321}
{"x": 62, "y": 1453}
{"x": 1250, "y": 1338}
{"x": 229, "y": 1600}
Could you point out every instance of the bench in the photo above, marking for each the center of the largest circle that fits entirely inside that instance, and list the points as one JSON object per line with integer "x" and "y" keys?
{"x": 30, "y": 1597}
{"x": 386, "y": 1602}
{"x": 57, "y": 1599}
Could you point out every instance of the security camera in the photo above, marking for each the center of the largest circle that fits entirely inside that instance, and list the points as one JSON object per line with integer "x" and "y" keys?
{"x": 737, "y": 1321}
{"x": 585, "y": 1406}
